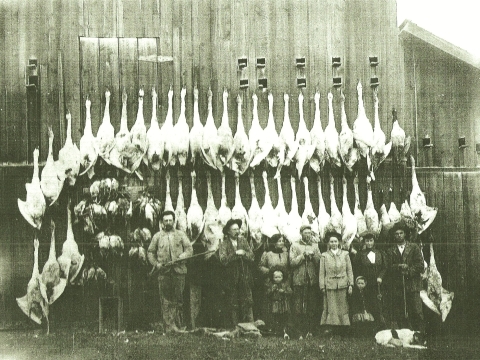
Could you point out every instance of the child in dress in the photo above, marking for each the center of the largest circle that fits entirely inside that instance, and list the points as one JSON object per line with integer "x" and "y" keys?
{"x": 362, "y": 318}
{"x": 278, "y": 298}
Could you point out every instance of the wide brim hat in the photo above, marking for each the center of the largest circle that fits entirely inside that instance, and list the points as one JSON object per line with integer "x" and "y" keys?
{"x": 230, "y": 223}
{"x": 367, "y": 234}
{"x": 330, "y": 234}
{"x": 400, "y": 225}
{"x": 305, "y": 227}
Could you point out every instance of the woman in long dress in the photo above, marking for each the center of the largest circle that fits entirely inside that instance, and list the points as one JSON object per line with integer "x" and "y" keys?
{"x": 336, "y": 281}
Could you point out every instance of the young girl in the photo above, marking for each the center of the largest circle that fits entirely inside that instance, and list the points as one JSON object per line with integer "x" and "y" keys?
{"x": 361, "y": 306}
{"x": 278, "y": 298}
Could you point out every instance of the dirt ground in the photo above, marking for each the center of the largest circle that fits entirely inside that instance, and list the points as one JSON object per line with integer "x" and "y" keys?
{"x": 69, "y": 344}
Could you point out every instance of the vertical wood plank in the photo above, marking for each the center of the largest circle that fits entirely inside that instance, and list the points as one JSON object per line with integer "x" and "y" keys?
{"x": 166, "y": 48}
{"x": 187, "y": 58}
{"x": 3, "y": 85}
{"x": 147, "y": 73}
{"x": 89, "y": 78}
{"x": 128, "y": 66}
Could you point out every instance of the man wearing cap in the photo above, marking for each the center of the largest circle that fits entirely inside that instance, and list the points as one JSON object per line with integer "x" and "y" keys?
{"x": 236, "y": 256}
{"x": 304, "y": 261}
{"x": 167, "y": 246}
{"x": 403, "y": 280}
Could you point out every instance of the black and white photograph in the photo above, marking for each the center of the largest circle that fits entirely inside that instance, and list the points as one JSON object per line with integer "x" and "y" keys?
{"x": 239, "y": 179}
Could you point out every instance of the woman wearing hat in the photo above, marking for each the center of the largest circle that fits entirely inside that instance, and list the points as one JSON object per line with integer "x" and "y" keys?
{"x": 236, "y": 256}
{"x": 336, "y": 280}
{"x": 275, "y": 257}
{"x": 370, "y": 263}
{"x": 304, "y": 260}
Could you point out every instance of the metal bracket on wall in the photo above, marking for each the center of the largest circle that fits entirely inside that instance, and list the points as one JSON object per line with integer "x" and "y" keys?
{"x": 32, "y": 85}
{"x": 462, "y": 142}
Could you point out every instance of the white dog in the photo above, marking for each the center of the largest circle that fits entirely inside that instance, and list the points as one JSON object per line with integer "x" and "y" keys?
{"x": 401, "y": 338}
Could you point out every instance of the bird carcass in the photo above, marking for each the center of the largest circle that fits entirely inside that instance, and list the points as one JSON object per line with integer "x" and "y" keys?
{"x": 50, "y": 182}
{"x": 270, "y": 138}
{"x": 212, "y": 230}
{"x": 317, "y": 136}
{"x": 34, "y": 207}
{"x": 349, "y": 222}
{"x": 181, "y": 133}
{"x": 255, "y": 216}
{"x": 154, "y": 138}
{"x": 224, "y": 212}
{"x": 288, "y": 146}
{"x": 280, "y": 212}
{"x": 88, "y": 144}
{"x": 362, "y": 128}
{"x": 210, "y": 138}
{"x": 361, "y": 223}
{"x": 180, "y": 214}
{"x": 225, "y": 137}
{"x": 331, "y": 136}
{"x": 238, "y": 210}
{"x": 168, "y": 133}
{"x": 400, "y": 142}
{"x": 308, "y": 217}
{"x": 269, "y": 217}
{"x": 69, "y": 157}
{"x": 196, "y": 132}
{"x": 379, "y": 150}
{"x": 336, "y": 218}
{"x": 292, "y": 228}
{"x": 304, "y": 142}
{"x": 323, "y": 216}
{"x": 106, "y": 132}
{"x": 371, "y": 215}
{"x": 138, "y": 134}
{"x": 259, "y": 147}
{"x": 424, "y": 214}
{"x": 348, "y": 153}
{"x": 242, "y": 152}
{"x": 194, "y": 214}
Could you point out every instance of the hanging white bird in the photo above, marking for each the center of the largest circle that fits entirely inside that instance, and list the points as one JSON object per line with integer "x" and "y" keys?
{"x": 318, "y": 139}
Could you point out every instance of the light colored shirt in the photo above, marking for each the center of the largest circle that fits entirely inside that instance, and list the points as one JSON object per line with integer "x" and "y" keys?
{"x": 335, "y": 251}
{"x": 401, "y": 248}
{"x": 371, "y": 257}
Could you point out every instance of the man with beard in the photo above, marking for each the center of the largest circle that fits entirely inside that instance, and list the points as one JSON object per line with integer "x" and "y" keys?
{"x": 170, "y": 245}
{"x": 403, "y": 281}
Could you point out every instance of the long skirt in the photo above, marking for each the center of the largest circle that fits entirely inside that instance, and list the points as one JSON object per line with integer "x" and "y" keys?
{"x": 335, "y": 308}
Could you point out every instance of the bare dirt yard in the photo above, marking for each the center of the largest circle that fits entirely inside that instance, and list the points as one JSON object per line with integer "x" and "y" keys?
{"x": 82, "y": 344}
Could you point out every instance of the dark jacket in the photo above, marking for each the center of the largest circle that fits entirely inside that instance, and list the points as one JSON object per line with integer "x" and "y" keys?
{"x": 363, "y": 267}
{"x": 412, "y": 257}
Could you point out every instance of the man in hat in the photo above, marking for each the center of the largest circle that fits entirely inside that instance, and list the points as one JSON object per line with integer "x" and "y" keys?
{"x": 167, "y": 246}
{"x": 304, "y": 262}
{"x": 236, "y": 256}
{"x": 403, "y": 280}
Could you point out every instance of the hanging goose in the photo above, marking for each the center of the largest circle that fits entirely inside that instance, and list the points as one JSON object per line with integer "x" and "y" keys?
{"x": 318, "y": 139}
{"x": 384, "y": 217}
{"x": 210, "y": 137}
{"x": 362, "y": 128}
{"x": 303, "y": 141}
{"x": 242, "y": 151}
{"x": 280, "y": 212}
{"x": 196, "y": 133}
{"x": 138, "y": 135}
{"x": 69, "y": 157}
{"x": 292, "y": 229}
{"x": 88, "y": 145}
{"x": 331, "y": 136}
{"x": 349, "y": 222}
{"x": 348, "y": 153}
{"x": 270, "y": 139}
{"x": 32, "y": 304}
{"x": 106, "y": 132}
{"x": 34, "y": 207}
{"x": 224, "y": 212}
{"x": 225, "y": 137}
{"x": 259, "y": 147}
{"x": 380, "y": 150}
{"x": 323, "y": 216}
{"x": 50, "y": 182}
{"x": 181, "y": 133}
{"x": 70, "y": 261}
{"x": 393, "y": 212}
{"x": 371, "y": 215}
{"x": 287, "y": 138}
{"x": 308, "y": 217}
{"x": 336, "y": 218}
{"x": 180, "y": 214}
{"x": 168, "y": 136}
{"x": 238, "y": 210}
{"x": 400, "y": 142}
{"x": 423, "y": 213}
{"x": 154, "y": 137}
{"x": 52, "y": 280}
{"x": 269, "y": 217}
{"x": 212, "y": 230}
{"x": 168, "y": 198}
{"x": 407, "y": 216}
{"x": 194, "y": 214}
{"x": 361, "y": 223}
{"x": 255, "y": 218}
{"x": 121, "y": 153}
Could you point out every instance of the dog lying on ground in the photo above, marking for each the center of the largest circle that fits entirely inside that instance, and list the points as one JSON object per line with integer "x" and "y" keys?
{"x": 401, "y": 338}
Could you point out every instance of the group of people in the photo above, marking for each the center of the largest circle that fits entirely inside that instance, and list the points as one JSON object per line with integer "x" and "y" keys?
{"x": 297, "y": 288}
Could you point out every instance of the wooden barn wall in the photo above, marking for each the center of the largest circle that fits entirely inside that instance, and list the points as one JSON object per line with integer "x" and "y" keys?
{"x": 447, "y": 104}
{"x": 86, "y": 46}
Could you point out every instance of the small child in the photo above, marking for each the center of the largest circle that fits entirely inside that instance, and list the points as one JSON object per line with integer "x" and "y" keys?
{"x": 362, "y": 318}
{"x": 278, "y": 298}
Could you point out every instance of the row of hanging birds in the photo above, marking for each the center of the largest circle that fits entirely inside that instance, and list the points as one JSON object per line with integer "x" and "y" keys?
{"x": 219, "y": 148}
